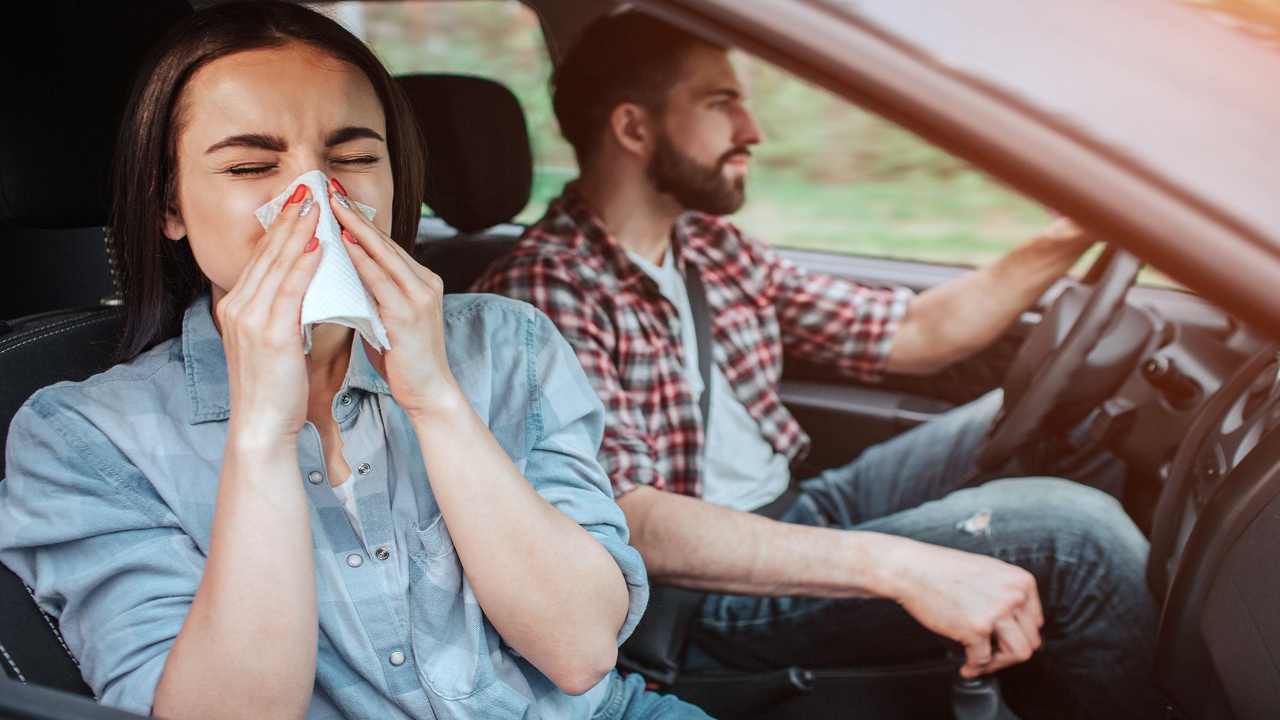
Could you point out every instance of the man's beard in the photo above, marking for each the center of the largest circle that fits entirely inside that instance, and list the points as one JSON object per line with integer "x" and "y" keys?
{"x": 693, "y": 185}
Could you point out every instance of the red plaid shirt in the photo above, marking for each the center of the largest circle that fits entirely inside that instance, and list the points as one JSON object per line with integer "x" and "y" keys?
{"x": 627, "y": 334}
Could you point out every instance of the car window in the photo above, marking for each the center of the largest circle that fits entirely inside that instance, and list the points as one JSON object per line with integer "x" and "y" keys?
{"x": 497, "y": 39}
{"x": 832, "y": 177}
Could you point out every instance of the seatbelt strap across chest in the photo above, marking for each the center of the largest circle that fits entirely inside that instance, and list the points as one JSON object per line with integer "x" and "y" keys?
{"x": 702, "y": 330}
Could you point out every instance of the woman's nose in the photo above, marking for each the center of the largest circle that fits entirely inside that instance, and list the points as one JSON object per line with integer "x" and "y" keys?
{"x": 305, "y": 162}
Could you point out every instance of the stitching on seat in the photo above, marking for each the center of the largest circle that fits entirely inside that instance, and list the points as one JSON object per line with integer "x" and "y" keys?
{"x": 58, "y": 634}
{"x": 53, "y": 326}
{"x": 56, "y": 331}
{"x": 9, "y": 659}
{"x": 49, "y": 621}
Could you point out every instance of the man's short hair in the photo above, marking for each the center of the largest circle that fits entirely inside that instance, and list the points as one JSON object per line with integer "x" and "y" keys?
{"x": 624, "y": 57}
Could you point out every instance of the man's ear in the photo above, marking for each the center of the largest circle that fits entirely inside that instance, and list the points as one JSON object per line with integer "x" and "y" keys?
{"x": 631, "y": 127}
{"x": 174, "y": 227}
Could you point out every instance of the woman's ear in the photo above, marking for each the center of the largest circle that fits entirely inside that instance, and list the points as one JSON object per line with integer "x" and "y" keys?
{"x": 630, "y": 126}
{"x": 174, "y": 227}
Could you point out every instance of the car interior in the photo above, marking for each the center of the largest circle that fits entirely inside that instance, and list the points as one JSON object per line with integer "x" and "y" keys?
{"x": 1185, "y": 393}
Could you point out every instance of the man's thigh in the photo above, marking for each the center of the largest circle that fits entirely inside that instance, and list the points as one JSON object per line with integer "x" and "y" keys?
{"x": 939, "y": 457}
{"x": 925, "y": 463}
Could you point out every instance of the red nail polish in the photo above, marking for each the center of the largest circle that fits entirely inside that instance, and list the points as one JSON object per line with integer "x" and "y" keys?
{"x": 298, "y": 193}
{"x": 347, "y": 236}
{"x": 337, "y": 186}
{"x": 312, "y": 244}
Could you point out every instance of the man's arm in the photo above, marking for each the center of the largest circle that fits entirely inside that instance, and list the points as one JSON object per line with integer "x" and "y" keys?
{"x": 971, "y": 599}
{"x": 958, "y": 318}
{"x": 692, "y": 543}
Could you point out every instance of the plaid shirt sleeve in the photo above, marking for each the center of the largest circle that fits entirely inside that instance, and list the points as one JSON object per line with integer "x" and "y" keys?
{"x": 627, "y": 450}
{"x": 832, "y": 321}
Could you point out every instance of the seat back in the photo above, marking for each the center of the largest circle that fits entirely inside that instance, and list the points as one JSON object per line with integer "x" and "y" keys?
{"x": 68, "y": 71}
{"x": 479, "y": 172}
{"x": 72, "y": 74}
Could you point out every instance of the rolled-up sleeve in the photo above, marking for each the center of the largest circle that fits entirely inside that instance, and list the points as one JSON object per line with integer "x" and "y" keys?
{"x": 563, "y": 465}
{"x": 103, "y": 554}
{"x": 832, "y": 321}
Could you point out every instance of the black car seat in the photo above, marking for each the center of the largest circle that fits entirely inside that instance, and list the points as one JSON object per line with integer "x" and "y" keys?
{"x": 478, "y": 178}
{"x": 71, "y": 75}
{"x": 63, "y": 64}
{"x": 479, "y": 172}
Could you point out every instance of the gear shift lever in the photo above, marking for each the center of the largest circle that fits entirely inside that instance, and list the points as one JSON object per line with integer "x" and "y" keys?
{"x": 979, "y": 699}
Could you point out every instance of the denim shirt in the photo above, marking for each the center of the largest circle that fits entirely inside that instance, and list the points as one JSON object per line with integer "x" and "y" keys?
{"x": 108, "y": 506}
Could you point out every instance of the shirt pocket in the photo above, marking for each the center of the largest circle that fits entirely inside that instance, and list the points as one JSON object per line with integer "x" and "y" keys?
{"x": 452, "y": 642}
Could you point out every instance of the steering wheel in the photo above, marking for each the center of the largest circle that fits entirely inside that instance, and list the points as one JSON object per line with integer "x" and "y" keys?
{"x": 1053, "y": 355}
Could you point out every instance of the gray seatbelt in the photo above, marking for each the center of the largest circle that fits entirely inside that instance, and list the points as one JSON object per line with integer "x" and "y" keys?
{"x": 702, "y": 329}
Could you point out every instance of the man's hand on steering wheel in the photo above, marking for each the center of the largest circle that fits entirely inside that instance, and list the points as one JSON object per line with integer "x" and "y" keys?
{"x": 1053, "y": 355}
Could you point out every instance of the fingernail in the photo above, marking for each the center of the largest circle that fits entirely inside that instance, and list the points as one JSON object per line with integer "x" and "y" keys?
{"x": 298, "y": 193}
{"x": 342, "y": 201}
{"x": 306, "y": 206}
{"x": 347, "y": 236}
{"x": 337, "y": 186}
{"x": 312, "y": 244}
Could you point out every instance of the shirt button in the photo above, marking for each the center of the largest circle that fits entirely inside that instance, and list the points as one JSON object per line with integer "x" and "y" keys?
{"x": 315, "y": 477}
{"x": 364, "y": 468}
{"x": 396, "y": 658}
{"x": 382, "y": 553}
{"x": 354, "y": 560}
{"x": 345, "y": 399}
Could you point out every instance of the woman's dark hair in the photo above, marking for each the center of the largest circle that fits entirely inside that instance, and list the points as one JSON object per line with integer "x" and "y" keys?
{"x": 160, "y": 277}
{"x": 624, "y": 57}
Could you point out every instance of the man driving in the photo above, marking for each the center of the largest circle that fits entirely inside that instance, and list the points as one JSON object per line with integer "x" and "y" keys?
{"x": 883, "y": 560}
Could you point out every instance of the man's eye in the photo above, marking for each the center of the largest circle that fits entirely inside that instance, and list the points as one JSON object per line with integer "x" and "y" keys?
{"x": 358, "y": 160}
{"x": 248, "y": 169}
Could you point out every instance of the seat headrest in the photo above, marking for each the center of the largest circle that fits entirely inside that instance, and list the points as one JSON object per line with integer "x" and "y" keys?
{"x": 479, "y": 165}
{"x": 69, "y": 77}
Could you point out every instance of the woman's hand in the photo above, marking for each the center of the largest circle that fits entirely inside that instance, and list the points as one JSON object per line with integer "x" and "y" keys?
{"x": 260, "y": 321}
{"x": 410, "y": 302}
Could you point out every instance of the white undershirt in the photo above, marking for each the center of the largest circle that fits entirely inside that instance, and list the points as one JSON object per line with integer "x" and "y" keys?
{"x": 741, "y": 469}
{"x": 346, "y": 492}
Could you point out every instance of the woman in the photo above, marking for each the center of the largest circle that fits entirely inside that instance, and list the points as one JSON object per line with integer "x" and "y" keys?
{"x": 178, "y": 512}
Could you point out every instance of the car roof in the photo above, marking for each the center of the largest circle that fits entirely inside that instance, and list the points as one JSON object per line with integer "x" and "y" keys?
{"x": 1182, "y": 91}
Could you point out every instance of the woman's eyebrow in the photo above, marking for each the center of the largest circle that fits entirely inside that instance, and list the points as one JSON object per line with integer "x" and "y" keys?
{"x": 349, "y": 133}
{"x": 275, "y": 143}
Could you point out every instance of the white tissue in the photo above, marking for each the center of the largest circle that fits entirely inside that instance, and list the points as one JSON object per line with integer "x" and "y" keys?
{"x": 336, "y": 294}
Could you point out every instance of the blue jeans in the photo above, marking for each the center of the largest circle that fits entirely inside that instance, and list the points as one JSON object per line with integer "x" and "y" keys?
{"x": 1087, "y": 556}
{"x": 628, "y": 700}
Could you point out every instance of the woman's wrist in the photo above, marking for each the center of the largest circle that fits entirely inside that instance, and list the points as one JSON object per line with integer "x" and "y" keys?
{"x": 445, "y": 406}
{"x": 248, "y": 440}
